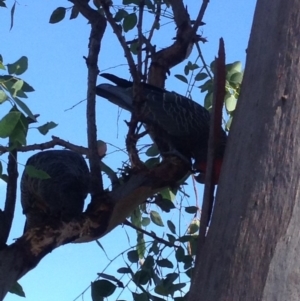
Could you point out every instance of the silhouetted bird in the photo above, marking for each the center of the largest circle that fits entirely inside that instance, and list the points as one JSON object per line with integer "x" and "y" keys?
{"x": 62, "y": 195}
{"x": 173, "y": 121}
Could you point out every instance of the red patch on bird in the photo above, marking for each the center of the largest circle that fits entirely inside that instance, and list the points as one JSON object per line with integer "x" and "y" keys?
{"x": 201, "y": 167}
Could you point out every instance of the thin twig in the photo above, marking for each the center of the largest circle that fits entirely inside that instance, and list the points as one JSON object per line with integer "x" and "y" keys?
{"x": 118, "y": 33}
{"x": 153, "y": 235}
{"x": 98, "y": 26}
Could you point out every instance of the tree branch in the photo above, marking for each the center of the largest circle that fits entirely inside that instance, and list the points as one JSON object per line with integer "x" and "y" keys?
{"x": 98, "y": 25}
{"x": 164, "y": 60}
{"x": 6, "y": 216}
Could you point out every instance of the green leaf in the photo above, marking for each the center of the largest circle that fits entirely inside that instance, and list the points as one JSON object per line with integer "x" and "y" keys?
{"x": 26, "y": 87}
{"x": 154, "y": 248}
{"x": 134, "y": 48}
{"x": 201, "y": 76}
{"x": 171, "y": 227}
{"x": 36, "y": 173}
{"x": 170, "y": 278}
{"x": 152, "y": 151}
{"x": 44, "y": 129}
{"x": 24, "y": 108}
{"x": 164, "y": 204}
{"x": 236, "y": 78}
{"x": 207, "y": 86}
{"x": 18, "y": 67}
{"x": 57, "y": 15}
{"x": 102, "y": 288}
{"x": 19, "y": 133}
{"x": 145, "y": 221}
{"x": 4, "y": 178}
{"x": 17, "y": 86}
{"x": 182, "y": 78}
{"x": 129, "y": 22}
{"x": 127, "y": 2}
{"x": 179, "y": 254}
{"x": 208, "y": 100}
{"x": 140, "y": 246}
{"x": 160, "y": 289}
{"x": 165, "y": 263}
{"x": 233, "y": 68}
{"x": 176, "y": 287}
{"x": 120, "y": 15}
{"x": 140, "y": 297}
{"x": 171, "y": 238}
{"x": 141, "y": 277}
{"x": 152, "y": 162}
{"x": 3, "y": 96}
{"x": 74, "y": 12}
{"x": 228, "y": 123}
{"x": 230, "y": 102}
{"x": 12, "y": 13}
{"x": 148, "y": 263}
{"x": 133, "y": 256}
{"x": 156, "y": 219}
{"x": 110, "y": 173}
{"x": 8, "y": 123}
{"x": 2, "y": 66}
{"x": 168, "y": 194}
{"x": 1, "y": 168}
{"x": 194, "y": 226}
{"x": 191, "y": 209}
{"x": 2, "y": 4}
{"x": 123, "y": 270}
{"x": 17, "y": 290}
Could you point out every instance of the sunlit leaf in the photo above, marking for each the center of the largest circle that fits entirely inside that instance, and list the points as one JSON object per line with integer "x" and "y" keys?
{"x": 8, "y": 123}
{"x": 156, "y": 219}
{"x": 3, "y": 96}
{"x": 36, "y": 173}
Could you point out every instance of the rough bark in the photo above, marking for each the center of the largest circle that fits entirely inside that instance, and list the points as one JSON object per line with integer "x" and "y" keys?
{"x": 252, "y": 248}
{"x": 101, "y": 216}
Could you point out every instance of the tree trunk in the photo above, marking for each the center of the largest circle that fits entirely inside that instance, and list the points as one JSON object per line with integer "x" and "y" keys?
{"x": 252, "y": 248}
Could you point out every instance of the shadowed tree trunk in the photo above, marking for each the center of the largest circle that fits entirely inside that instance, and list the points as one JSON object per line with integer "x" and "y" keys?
{"x": 252, "y": 248}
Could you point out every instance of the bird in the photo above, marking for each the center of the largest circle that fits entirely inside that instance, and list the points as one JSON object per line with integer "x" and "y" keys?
{"x": 173, "y": 121}
{"x": 56, "y": 193}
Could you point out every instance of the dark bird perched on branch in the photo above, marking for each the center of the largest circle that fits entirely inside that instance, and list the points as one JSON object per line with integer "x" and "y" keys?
{"x": 172, "y": 120}
{"x": 59, "y": 196}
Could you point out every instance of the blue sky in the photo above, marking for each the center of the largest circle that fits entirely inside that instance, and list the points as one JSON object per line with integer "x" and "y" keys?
{"x": 58, "y": 73}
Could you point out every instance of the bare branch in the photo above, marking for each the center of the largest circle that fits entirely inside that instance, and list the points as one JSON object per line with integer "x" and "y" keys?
{"x": 7, "y": 215}
{"x": 118, "y": 32}
{"x": 98, "y": 25}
